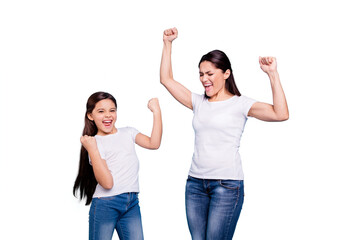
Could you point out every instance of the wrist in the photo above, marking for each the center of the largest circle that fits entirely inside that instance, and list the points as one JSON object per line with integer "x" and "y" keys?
{"x": 273, "y": 74}
{"x": 167, "y": 43}
{"x": 156, "y": 111}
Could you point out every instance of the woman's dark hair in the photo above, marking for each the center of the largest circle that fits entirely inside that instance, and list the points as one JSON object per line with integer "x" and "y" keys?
{"x": 221, "y": 61}
{"x": 85, "y": 181}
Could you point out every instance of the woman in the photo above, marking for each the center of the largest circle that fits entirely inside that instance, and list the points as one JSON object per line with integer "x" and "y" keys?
{"x": 109, "y": 168}
{"x": 214, "y": 189}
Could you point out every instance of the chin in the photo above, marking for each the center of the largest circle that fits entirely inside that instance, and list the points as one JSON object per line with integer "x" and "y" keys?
{"x": 208, "y": 95}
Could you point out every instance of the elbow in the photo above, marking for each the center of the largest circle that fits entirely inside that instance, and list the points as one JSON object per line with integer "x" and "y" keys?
{"x": 283, "y": 117}
{"x": 108, "y": 185}
{"x": 165, "y": 80}
{"x": 162, "y": 81}
{"x": 155, "y": 147}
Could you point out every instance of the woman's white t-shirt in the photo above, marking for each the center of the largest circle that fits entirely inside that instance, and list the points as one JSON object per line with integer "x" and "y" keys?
{"x": 218, "y": 128}
{"x": 118, "y": 150}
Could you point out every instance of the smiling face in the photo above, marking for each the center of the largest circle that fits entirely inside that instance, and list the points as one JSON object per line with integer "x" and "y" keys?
{"x": 213, "y": 79}
{"x": 104, "y": 115}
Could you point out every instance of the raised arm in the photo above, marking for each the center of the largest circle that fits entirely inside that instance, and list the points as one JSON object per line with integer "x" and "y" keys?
{"x": 154, "y": 141}
{"x": 278, "y": 111}
{"x": 101, "y": 171}
{"x": 179, "y": 92}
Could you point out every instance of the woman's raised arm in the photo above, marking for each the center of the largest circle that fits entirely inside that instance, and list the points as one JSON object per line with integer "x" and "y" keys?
{"x": 178, "y": 91}
{"x": 278, "y": 111}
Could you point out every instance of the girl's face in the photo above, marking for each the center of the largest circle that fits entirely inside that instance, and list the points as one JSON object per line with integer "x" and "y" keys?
{"x": 104, "y": 115}
{"x": 212, "y": 78}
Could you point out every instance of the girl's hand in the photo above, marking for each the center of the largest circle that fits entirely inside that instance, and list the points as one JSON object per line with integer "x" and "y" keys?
{"x": 170, "y": 34}
{"x": 88, "y": 142}
{"x": 153, "y": 105}
{"x": 268, "y": 64}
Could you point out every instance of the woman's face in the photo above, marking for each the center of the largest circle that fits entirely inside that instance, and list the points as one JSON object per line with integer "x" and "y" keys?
{"x": 212, "y": 78}
{"x": 104, "y": 115}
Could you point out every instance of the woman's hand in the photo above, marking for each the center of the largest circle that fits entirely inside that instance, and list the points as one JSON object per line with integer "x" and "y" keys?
{"x": 88, "y": 142}
{"x": 268, "y": 64}
{"x": 153, "y": 105}
{"x": 170, "y": 34}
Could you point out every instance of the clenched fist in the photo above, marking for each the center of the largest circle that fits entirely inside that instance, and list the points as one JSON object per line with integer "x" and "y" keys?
{"x": 268, "y": 64}
{"x": 153, "y": 105}
{"x": 170, "y": 34}
{"x": 88, "y": 142}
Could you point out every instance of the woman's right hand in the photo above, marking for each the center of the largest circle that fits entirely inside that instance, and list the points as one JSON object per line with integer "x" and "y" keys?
{"x": 170, "y": 34}
{"x": 88, "y": 142}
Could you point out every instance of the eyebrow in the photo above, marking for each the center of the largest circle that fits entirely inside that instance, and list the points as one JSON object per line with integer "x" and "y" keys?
{"x": 104, "y": 109}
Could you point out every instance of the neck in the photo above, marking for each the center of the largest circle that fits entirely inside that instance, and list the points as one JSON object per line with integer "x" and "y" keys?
{"x": 221, "y": 95}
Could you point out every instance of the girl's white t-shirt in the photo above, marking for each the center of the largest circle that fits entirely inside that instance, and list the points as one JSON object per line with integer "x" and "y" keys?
{"x": 218, "y": 128}
{"x": 118, "y": 150}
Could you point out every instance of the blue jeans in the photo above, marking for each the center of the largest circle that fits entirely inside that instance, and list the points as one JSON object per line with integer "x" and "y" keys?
{"x": 213, "y": 207}
{"x": 120, "y": 212}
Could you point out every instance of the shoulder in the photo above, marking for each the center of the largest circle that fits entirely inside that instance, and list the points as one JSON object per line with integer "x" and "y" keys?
{"x": 245, "y": 100}
{"x": 131, "y": 131}
{"x": 245, "y": 103}
{"x": 197, "y": 98}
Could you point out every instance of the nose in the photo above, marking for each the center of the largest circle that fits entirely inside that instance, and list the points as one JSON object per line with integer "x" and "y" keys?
{"x": 203, "y": 78}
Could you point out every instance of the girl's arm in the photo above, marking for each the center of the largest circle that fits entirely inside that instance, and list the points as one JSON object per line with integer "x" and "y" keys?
{"x": 278, "y": 111}
{"x": 154, "y": 141}
{"x": 179, "y": 92}
{"x": 101, "y": 171}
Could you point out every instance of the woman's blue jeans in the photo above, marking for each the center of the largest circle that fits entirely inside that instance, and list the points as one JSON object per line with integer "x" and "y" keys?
{"x": 213, "y": 207}
{"x": 120, "y": 212}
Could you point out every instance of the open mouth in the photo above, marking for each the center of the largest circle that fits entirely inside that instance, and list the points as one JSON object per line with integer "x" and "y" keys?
{"x": 107, "y": 123}
{"x": 208, "y": 86}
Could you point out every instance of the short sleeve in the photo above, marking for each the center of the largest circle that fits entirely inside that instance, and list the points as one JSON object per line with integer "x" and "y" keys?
{"x": 246, "y": 104}
{"x": 133, "y": 132}
{"x": 196, "y": 100}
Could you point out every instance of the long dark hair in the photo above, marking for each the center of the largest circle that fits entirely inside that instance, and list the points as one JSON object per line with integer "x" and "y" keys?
{"x": 221, "y": 61}
{"x": 85, "y": 181}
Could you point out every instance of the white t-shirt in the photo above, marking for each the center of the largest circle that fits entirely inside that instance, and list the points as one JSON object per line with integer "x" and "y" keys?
{"x": 218, "y": 128}
{"x": 118, "y": 150}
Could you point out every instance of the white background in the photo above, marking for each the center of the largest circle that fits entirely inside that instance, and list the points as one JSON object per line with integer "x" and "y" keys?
{"x": 301, "y": 176}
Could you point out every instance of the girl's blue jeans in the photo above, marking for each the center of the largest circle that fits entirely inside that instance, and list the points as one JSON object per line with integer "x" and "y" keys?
{"x": 120, "y": 212}
{"x": 213, "y": 207}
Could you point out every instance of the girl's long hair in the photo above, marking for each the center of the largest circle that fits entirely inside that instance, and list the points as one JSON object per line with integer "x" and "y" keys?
{"x": 85, "y": 181}
{"x": 221, "y": 61}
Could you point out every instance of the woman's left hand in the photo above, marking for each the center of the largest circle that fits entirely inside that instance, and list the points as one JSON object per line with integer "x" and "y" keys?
{"x": 268, "y": 64}
{"x": 153, "y": 105}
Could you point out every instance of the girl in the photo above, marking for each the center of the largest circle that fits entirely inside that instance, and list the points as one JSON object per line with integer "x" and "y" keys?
{"x": 108, "y": 169}
{"x": 215, "y": 188}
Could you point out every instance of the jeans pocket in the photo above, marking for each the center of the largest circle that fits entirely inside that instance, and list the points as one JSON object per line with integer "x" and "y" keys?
{"x": 230, "y": 184}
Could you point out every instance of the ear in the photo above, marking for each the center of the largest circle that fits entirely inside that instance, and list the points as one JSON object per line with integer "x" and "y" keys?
{"x": 227, "y": 74}
{"x": 89, "y": 116}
